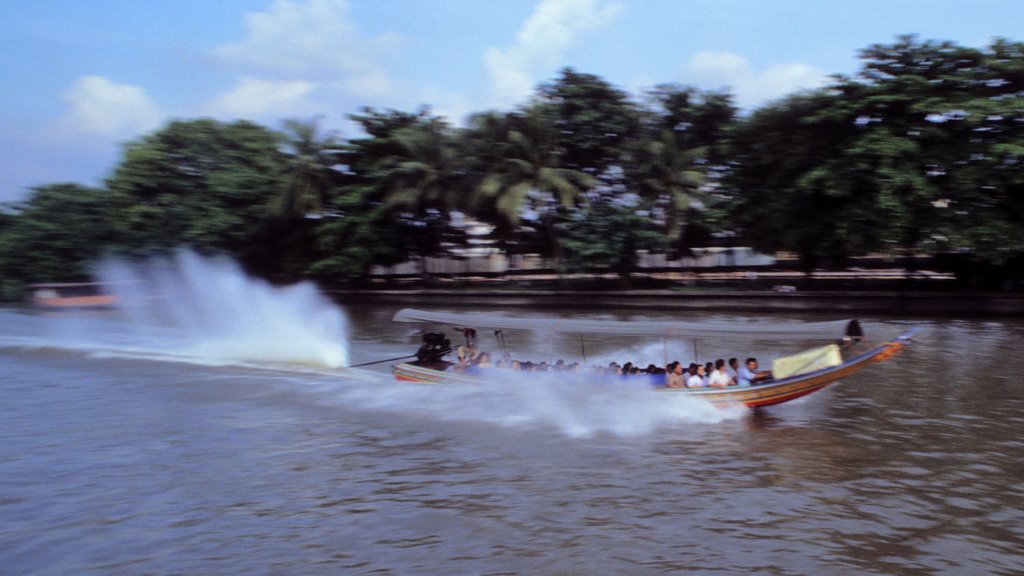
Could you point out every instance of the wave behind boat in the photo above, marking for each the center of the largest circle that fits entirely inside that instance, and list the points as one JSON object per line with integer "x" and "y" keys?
{"x": 197, "y": 310}
{"x": 209, "y": 309}
{"x": 575, "y": 404}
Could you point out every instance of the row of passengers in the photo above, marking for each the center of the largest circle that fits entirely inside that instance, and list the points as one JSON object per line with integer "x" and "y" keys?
{"x": 629, "y": 369}
{"x": 714, "y": 375}
{"x": 697, "y": 376}
{"x": 733, "y": 373}
{"x": 470, "y": 360}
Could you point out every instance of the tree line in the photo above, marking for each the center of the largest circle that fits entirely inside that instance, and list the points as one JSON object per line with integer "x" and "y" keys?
{"x": 918, "y": 153}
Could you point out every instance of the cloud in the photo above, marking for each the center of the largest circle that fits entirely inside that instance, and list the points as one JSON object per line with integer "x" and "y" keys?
{"x": 552, "y": 29}
{"x": 254, "y": 98}
{"x": 716, "y": 70}
{"x": 102, "y": 107}
{"x": 302, "y": 57}
{"x": 309, "y": 40}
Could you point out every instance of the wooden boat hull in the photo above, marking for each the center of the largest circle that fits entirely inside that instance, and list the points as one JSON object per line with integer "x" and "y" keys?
{"x": 786, "y": 389}
{"x": 72, "y": 295}
{"x": 768, "y": 394}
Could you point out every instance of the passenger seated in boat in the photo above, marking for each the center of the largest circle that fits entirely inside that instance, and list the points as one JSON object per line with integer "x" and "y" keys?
{"x": 464, "y": 359}
{"x": 749, "y": 375}
{"x": 674, "y": 377}
{"x": 655, "y": 376}
{"x": 696, "y": 379}
{"x": 481, "y": 361}
{"x": 719, "y": 378}
{"x": 733, "y": 370}
{"x": 470, "y": 335}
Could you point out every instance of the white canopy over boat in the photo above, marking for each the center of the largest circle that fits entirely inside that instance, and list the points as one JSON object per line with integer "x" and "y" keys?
{"x": 697, "y": 330}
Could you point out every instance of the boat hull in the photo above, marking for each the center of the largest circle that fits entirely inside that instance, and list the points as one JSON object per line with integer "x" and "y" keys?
{"x": 768, "y": 394}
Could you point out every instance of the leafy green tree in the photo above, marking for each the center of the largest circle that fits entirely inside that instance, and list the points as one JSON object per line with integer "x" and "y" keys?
{"x": 680, "y": 156}
{"x": 424, "y": 172}
{"x": 668, "y": 178}
{"x": 359, "y": 229}
{"x": 364, "y": 155}
{"x": 903, "y": 146}
{"x": 203, "y": 184}
{"x": 592, "y": 121}
{"x": 777, "y": 199}
{"x": 311, "y": 172}
{"x": 410, "y": 166}
{"x": 899, "y": 158}
{"x": 984, "y": 177}
{"x": 700, "y": 121}
{"x": 359, "y": 234}
{"x": 527, "y": 179}
{"x": 55, "y": 236}
{"x": 606, "y": 235}
{"x": 938, "y": 144}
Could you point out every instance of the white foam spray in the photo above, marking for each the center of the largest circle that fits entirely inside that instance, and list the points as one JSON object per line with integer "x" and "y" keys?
{"x": 209, "y": 309}
{"x": 575, "y": 404}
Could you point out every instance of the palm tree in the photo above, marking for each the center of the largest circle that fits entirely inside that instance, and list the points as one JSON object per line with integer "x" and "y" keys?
{"x": 528, "y": 177}
{"x": 309, "y": 175}
{"x": 665, "y": 176}
{"x": 423, "y": 172}
{"x": 311, "y": 161}
{"x": 421, "y": 182}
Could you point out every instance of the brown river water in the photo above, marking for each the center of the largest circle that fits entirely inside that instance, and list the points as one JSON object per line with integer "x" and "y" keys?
{"x": 224, "y": 436}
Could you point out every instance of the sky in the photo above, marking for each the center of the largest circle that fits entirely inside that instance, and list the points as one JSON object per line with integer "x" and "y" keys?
{"x": 81, "y": 78}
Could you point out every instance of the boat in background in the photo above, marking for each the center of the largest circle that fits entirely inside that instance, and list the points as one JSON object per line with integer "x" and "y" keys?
{"x": 794, "y": 376}
{"x": 72, "y": 295}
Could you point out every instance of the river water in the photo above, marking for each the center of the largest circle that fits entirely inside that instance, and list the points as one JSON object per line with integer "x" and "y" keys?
{"x": 220, "y": 434}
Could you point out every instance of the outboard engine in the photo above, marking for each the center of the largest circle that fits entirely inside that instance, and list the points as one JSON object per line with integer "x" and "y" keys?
{"x": 435, "y": 346}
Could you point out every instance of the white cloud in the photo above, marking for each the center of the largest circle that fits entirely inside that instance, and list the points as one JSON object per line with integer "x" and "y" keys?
{"x": 302, "y": 57}
{"x": 254, "y": 99}
{"x": 102, "y": 107}
{"x": 308, "y": 40}
{"x": 716, "y": 70}
{"x": 552, "y": 29}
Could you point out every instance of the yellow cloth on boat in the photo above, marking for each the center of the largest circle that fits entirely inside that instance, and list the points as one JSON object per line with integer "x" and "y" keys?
{"x": 807, "y": 361}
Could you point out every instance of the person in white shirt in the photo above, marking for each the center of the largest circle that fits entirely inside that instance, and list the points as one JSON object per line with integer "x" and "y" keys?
{"x": 719, "y": 378}
{"x": 696, "y": 379}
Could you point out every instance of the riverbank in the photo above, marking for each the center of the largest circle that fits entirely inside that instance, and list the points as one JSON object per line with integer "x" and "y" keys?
{"x": 968, "y": 304}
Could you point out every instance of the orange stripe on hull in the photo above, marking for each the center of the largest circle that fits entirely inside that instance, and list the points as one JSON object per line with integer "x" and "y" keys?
{"x": 77, "y": 301}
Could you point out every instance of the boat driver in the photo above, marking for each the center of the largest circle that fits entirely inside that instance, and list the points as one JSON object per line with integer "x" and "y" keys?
{"x": 749, "y": 375}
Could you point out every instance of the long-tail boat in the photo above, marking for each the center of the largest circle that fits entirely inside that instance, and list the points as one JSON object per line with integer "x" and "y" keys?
{"x": 792, "y": 376}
